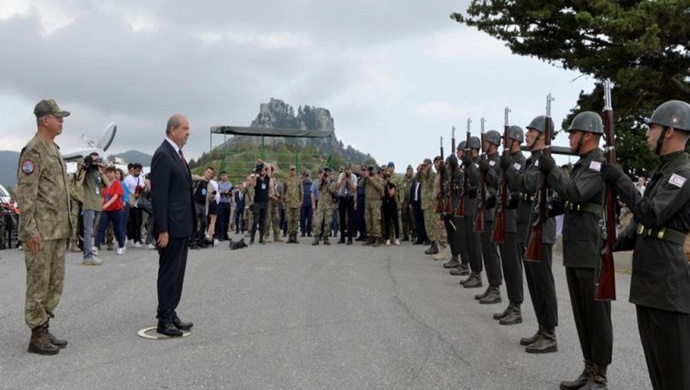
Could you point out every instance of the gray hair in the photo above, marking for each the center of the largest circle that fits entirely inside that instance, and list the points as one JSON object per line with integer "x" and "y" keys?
{"x": 173, "y": 122}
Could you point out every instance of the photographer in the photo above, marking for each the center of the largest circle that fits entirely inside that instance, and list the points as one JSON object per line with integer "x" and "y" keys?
{"x": 390, "y": 210}
{"x": 323, "y": 210}
{"x": 200, "y": 195}
{"x": 262, "y": 192}
{"x": 90, "y": 177}
{"x": 135, "y": 184}
{"x": 346, "y": 187}
{"x": 224, "y": 209}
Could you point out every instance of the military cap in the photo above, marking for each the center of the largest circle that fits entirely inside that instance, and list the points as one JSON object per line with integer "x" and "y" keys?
{"x": 391, "y": 164}
{"x": 292, "y": 167}
{"x": 49, "y": 107}
{"x": 409, "y": 166}
{"x": 427, "y": 161}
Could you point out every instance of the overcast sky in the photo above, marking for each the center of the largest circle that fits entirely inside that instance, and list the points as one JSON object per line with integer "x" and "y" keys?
{"x": 395, "y": 75}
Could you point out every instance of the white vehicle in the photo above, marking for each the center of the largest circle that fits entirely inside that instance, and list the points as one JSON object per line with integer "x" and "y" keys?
{"x": 4, "y": 195}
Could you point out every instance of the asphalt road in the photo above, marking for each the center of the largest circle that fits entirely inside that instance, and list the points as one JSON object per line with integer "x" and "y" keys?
{"x": 295, "y": 317}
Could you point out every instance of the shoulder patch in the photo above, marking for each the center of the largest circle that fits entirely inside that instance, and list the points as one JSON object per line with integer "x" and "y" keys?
{"x": 595, "y": 166}
{"x": 517, "y": 166}
{"x": 28, "y": 167}
{"x": 492, "y": 162}
{"x": 677, "y": 180}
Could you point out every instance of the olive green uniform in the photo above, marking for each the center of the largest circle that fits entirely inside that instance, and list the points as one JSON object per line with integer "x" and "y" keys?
{"x": 406, "y": 214}
{"x": 373, "y": 190}
{"x": 248, "y": 191}
{"x": 43, "y": 195}
{"x": 323, "y": 213}
{"x": 294, "y": 193}
{"x": 429, "y": 205}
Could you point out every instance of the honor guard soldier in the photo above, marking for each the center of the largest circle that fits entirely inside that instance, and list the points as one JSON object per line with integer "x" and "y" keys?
{"x": 660, "y": 285}
{"x": 452, "y": 222}
{"x": 540, "y": 282}
{"x": 492, "y": 260}
{"x": 511, "y": 255}
{"x": 581, "y": 197}
{"x": 474, "y": 249}
{"x": 461, "y": 267}
{"x": 45, "y": 227}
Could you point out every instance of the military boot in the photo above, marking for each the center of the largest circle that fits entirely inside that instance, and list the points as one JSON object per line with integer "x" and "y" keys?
{"x": 482, "y": 295}
{"x": 503, "y": 314}
{"x": 441, "y": 255}
{"x": 294, "y": 239}
{"x": 276, "y": 237}
{"x": 463, "y": 269}
{"x": 514, "y": 316}
{"x": 74, "y": 247}
{"x": 453, "y": 263}
{"x": 597, "y": 379}
{"x": 369, "y": 241}
{"x": 580, "y": 380}
{"x": 493, "y": 296}
{"x": 525, "y": 341}
{"x": 316, "y": 241}
{"x": 474, "y": 281}
{"x": 432, "y": 250}
{"x": 54, "y": 340}
{"x": 326, "y": 241}
{"x": 40, "y": 342}
{"x": 545, "y": 343}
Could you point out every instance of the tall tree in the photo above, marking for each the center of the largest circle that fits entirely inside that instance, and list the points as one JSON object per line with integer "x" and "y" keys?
{"x": 641, "y": 45}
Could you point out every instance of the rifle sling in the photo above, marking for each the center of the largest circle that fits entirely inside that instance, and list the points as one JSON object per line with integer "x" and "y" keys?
{"x": 666, "y": 234}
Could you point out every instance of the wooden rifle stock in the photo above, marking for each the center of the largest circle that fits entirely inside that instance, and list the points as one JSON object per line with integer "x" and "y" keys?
{"x": 449, "y": 202}
{"x": 439, "y": 200}
{"x": 460, "y": 212}
{"x": 605, "y": 289}
{"x": 499, "y": 228}
{"x": 481, "y": 202}
{"x": 534, "y": 247}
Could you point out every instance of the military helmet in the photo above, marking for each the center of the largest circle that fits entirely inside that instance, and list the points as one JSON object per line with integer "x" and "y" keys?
{"x": 516, "y": 134}
{"x": 538, "y": 124}
{"x": 493, "y": 136}
{"x": 587, "y": 121}
{"x": 475, "y": 143}
{"x": 461, "y": 145}
{"x": 673, "y": 113}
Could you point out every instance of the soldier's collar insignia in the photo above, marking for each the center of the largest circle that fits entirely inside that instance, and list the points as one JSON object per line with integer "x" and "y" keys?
{"x": 28, "y": 167}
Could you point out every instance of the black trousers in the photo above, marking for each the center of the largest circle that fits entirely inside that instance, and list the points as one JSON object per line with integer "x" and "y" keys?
{"x": 512, "y": 267}
{"x": 462, "y": 239}
{"x": 172, "y": 261}
{"x": 346, "y": 213}
{"x": 665, "y": 337}
{"x": 239, "y": 220}
{"x": 419, "y": 222}
{"x": 453, "y": 226}
{"x": 542, "y": 288}
{"x": 202, "y": 221}
{"x": 259, "y": 210}
{"x": 390, "y": 214}
{"x": 134, "y": 224}
{"x": 492, "y": 260}
{"x": 592, "y": 318}
{"x": 223, "y": 220}
{"x": 474, "y": 248}
{"x": 406, "y": 220}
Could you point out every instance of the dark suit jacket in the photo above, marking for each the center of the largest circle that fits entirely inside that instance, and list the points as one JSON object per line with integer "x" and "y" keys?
{"x": 171, "y": 193}
{"x": 238, "y": 202}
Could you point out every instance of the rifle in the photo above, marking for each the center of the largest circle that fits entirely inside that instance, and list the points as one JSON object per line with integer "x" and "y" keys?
{"x": 460, "y": 212}
{"x": 605, "y": 288}
{"x": 451, "y": 197}
{"x": 439, "y": 201}
{"x": 534, "y": 248}
{"x": 481, "y": 203}
{"x": 498, "y": 235}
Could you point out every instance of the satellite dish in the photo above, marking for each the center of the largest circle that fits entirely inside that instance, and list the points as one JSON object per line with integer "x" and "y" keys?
{"x": 99, "y": 147}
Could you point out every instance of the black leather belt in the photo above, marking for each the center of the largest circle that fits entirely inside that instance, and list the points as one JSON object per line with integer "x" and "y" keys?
{"x": 587, "y": 207}
{"x": 665, "y": 234}
{"x": 526, "y": 197}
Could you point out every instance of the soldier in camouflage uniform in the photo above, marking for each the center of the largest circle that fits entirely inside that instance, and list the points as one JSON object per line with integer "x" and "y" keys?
{"x": 427, "y": 177}
{"x": 323, "y": 211}
{"x": 373, "y": 190}
{"x": 75, "y": 205}
{"x": 403, "y": 194}
{"x": 45, "y": 227}
{"x": 273, "y": 216}
{"x": 294, "y": 194}
{"x": 248, "y": 191}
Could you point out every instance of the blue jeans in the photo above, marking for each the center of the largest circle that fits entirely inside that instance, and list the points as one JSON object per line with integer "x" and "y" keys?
{"x": 90, "y": 218}
{"x": 305, "y": 218}
{"x": 116, "y": 218}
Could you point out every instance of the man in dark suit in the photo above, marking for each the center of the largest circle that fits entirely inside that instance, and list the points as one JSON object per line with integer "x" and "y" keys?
{"x": 173, "y": 211}
{"x": 239, "y": 210}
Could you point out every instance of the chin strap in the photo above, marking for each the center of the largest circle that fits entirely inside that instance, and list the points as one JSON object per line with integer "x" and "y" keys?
{"x": 540, "y": 136}
{"x": 660, "y": 141}
{"x": 580, "y": 142}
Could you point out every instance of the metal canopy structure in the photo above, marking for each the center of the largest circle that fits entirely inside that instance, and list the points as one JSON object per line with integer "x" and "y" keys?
{"x": 264, "y": 132}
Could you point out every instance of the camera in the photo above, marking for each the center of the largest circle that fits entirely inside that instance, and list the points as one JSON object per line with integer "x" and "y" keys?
{"x": 92, "y": 163}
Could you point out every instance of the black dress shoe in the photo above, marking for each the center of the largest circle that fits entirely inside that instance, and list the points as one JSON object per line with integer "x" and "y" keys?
{"x": 181, "y": 325}
{"x": 168, "y": 329}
